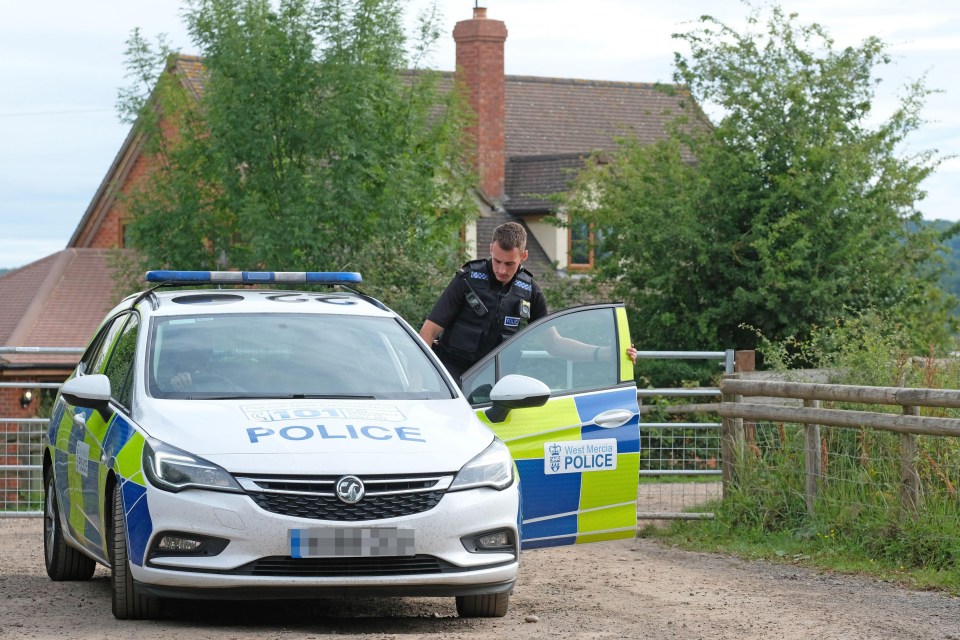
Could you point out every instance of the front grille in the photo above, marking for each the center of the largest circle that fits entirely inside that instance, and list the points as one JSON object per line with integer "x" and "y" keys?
{"x": 329, "y": 508}
{"x": 313, "y": 497}
{"x": 343, "y": 567}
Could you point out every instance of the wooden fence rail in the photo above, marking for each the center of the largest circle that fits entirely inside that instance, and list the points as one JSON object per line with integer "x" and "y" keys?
{"x": 734, "y": 410}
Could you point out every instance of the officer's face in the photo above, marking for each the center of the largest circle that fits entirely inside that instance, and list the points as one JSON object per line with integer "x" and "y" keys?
{"x": 506, "y": 263}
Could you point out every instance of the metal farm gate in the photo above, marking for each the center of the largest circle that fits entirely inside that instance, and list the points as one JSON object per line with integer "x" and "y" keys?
{"x": 21, "y": 451}
{"x": 680, "y": 461}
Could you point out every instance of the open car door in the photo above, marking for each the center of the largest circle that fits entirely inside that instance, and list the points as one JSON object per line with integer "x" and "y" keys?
{"x": 579, "y": 454}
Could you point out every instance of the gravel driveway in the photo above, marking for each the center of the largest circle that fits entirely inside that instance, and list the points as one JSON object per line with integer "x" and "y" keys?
{"x": 627, "y": 589}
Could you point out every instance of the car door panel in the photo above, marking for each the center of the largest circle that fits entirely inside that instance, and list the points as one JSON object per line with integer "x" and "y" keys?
{"x": 578, "y": 477}
{"x": 78, "y": 453}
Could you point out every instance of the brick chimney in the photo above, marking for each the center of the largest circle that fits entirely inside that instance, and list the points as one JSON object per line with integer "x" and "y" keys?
{"x": 480, "y": 67}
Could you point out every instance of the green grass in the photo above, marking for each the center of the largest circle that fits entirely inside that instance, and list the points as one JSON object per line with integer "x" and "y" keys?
{"x": 918, "y": 555}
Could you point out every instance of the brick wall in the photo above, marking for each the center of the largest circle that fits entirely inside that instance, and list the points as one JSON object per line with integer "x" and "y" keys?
{"x": 109, "y": 233}
{"x": 480, "y": 43}
{"x": 103, "y": 227}
{"x": 10, "y": 403}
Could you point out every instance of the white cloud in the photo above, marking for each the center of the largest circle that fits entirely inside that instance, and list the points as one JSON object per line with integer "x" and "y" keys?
{"x": 64, "y": 55}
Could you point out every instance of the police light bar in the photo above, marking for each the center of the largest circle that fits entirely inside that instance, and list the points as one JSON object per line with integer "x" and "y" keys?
{"x": 254, "y": 277}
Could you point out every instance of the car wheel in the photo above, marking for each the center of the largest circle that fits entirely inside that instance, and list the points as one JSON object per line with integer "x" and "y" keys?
{"x": 487, "y": 605}
{"x": 127, "y": 603}
{"x": 63, "y": 562}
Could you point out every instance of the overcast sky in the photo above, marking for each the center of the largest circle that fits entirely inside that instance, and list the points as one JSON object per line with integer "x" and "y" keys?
{"x": 61, "y": 64}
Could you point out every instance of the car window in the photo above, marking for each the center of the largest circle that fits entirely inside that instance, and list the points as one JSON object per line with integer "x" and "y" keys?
{"x": 530, "y": 353}
{"x": 99, "y": 349}
{"x": 120, "y": 366}
{"x": 289, "y": 355}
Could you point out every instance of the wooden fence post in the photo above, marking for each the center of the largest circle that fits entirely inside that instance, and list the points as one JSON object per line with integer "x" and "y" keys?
{"x": 812, "y": 456}
{"x": 745, "y": 361}
{"x": 910, "y": 488}
{"x": 729, "y": 439}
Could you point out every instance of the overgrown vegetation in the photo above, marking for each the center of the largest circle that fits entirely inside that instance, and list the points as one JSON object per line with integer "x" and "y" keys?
{"x": 860, "y": 522}
{"x": 799, "y": 204}
{"x": 317, "y": 144}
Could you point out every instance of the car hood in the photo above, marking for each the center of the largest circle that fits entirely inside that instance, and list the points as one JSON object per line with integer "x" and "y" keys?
{"x": 320, "y": 437}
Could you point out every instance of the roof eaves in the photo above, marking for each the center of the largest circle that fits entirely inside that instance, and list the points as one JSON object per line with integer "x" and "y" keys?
{"x": 116, "y": 175}
{"x": 39, "y": 301}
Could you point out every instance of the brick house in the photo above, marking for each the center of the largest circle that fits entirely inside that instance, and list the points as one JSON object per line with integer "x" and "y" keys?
{"x": 532, "y": 133}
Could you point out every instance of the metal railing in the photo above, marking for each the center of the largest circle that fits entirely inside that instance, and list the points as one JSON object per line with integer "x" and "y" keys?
{"x": 21, "y": 464}
{"x": 698, "y": 456}
{"x": 21, "y": 445}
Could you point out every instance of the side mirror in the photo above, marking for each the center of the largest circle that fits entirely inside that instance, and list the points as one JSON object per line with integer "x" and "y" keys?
{"x": 516, "y": 392}
{"x": 90, "y": 392}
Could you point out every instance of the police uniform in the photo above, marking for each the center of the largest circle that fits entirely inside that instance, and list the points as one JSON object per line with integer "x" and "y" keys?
{"x": 477, "y": 313}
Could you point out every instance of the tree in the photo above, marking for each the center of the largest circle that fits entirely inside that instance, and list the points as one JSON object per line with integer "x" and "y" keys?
{"x": 792, "y": 210}
{"x": 317, "y": 144}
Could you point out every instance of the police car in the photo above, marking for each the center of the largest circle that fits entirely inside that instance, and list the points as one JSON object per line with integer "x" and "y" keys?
{"x": 267, "y": 442}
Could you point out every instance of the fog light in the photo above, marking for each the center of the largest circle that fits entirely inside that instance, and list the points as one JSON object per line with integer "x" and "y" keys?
{"x": 499, "y": 541}
{"x": 495, "y": 540}
{"x": 178, "y": 544}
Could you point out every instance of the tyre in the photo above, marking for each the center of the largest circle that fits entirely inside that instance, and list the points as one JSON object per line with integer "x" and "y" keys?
{"x": 127, "y": 603}
{"x": 487, "y": 605}
{"x": 63, "y": 562}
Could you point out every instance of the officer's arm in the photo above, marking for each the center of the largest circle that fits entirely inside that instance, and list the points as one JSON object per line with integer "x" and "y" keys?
{"x": 430, "y": 331}
{"x": 569, "y": 349}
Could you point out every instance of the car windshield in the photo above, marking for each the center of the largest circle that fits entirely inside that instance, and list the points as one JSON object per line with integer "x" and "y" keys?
{"x": 289, "y": 356}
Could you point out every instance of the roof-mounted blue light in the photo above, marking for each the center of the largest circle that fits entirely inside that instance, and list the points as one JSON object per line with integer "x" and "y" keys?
{"x": 254, "y": 277}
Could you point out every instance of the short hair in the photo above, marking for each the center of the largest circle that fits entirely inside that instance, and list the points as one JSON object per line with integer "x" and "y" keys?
{"x": 510, "y": 235}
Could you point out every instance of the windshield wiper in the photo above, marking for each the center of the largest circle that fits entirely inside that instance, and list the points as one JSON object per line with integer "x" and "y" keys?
{"x": 284, "y": 396}
{"x": 329, "y": 396}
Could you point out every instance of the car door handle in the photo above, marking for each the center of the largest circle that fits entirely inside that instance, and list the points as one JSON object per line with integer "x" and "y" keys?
{"x": 613, "y": 418}
{"x": 80, "y": 420}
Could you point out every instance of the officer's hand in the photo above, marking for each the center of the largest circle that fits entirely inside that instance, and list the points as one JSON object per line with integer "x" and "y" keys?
{"x": 604, "y": 353}
{"x": 181, "y": 381}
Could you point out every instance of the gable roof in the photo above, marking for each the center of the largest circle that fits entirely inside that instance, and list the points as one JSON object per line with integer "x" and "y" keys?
{"x": 551, "y": 126}
{"x": 192, "y": 75}
{"x": 549, "y": 116}
{"x": 62, "y": 298}
{"x": 531, "y": 180}
{"x": 554, "y": 124}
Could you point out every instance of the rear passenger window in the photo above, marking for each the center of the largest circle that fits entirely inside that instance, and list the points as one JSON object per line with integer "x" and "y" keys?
{"x": 99, "y": 349}
{"x": 120, "y": 367}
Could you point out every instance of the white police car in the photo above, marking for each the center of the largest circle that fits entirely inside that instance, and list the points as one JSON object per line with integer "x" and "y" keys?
{"x": 263, "y": 443}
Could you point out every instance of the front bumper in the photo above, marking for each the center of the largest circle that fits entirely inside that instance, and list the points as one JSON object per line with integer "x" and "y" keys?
{"x": 257, "y": 562}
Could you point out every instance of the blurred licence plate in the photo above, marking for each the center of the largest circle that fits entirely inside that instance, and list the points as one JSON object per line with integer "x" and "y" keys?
{"x": 350, "y": 543}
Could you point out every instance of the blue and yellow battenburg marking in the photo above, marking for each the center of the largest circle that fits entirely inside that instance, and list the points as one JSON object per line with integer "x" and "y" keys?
{"x": 596, "y": 502}
{"x": 85, "y": 450}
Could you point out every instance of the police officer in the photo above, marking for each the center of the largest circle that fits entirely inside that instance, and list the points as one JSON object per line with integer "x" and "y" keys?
{"x": 485, "y": 303}
{"x": 488, "y": 301}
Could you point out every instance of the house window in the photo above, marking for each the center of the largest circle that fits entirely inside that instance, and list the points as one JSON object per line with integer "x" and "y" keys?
{"x": 583, "y": 240}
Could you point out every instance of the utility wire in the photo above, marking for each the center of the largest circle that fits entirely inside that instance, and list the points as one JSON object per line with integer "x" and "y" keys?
{"x": 53, "y": 113}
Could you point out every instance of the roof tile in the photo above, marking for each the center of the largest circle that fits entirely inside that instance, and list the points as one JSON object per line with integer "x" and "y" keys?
{"x": 61, "y": 299}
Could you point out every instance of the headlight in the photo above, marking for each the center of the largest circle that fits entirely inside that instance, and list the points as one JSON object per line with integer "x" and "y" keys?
{"x": 172, "y": 469}
{"x": 492, "y": 468}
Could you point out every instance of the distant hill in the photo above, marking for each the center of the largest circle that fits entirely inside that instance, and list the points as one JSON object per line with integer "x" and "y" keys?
{"x": 3, "y": 271}
{"x": 950, "y": 281}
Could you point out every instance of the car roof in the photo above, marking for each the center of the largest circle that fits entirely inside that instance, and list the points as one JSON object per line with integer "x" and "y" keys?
{"x": 172, "y": 302}
{"x": 253, "y": 292}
